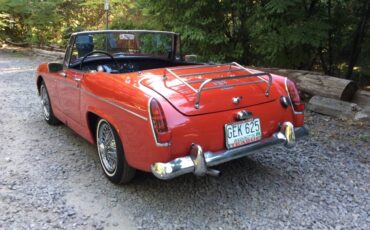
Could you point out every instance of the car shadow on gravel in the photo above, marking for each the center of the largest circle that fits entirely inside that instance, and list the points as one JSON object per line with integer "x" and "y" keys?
{"x": 243, "y": 168}
{"x": 246, "y": 171}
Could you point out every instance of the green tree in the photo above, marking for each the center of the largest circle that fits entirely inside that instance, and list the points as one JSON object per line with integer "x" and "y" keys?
{"x": 305, "y": 34}
{"x": 288, "y": 33}
{"x": 323, "y": 35}
{"x": 216, "y": 30}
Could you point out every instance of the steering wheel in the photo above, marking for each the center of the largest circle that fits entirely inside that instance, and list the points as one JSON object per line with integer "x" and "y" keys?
{"x": 100, "y": 52}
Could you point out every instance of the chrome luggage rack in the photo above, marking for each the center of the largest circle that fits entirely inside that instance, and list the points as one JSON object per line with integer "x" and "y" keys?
{"x": 237, "y": 67}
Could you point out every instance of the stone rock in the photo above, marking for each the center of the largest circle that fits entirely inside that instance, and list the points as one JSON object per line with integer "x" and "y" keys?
{"x": 363, "y": 115}
{"x": 333, "y": 107}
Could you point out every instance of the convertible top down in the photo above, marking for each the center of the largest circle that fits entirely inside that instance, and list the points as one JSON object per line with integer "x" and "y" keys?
{"x": 130, "y": 93}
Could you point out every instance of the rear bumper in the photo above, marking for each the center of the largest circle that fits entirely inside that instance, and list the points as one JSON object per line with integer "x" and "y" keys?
{"x": 197, "y": 161}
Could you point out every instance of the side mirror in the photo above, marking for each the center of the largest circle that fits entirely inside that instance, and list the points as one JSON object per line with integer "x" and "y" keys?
{"x": 55, "y": 67}
{"x": 191, "y": 58}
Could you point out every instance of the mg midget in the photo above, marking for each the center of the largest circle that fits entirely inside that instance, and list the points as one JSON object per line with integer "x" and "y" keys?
{"x": 131, "y": 94}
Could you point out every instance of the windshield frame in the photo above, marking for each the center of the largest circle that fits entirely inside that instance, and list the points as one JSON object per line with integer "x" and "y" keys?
{"x": 174, "y": 44}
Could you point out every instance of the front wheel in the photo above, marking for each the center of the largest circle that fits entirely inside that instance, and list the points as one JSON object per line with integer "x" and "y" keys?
{"x": 111, "y": 154}
{"x": 46, "y": 106}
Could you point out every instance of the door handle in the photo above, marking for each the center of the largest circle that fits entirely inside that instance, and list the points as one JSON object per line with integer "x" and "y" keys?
{"x": 76, "y": 79}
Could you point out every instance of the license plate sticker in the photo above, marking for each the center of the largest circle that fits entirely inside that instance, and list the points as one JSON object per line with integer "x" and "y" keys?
{"x": 242, "y": 133}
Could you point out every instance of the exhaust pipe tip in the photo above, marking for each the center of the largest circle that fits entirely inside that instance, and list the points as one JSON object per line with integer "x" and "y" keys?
{"x": 213, "y": 172}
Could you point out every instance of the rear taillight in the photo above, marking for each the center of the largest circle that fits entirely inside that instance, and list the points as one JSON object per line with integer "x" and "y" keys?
{"x": 159, "y": 123}
{"x": 298, "y": 105}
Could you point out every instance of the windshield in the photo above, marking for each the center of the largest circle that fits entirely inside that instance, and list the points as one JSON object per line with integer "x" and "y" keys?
{"x": 125, "y": 43}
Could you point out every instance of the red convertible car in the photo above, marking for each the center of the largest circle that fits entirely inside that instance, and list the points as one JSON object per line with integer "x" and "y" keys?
{"x": 130, "y": 93}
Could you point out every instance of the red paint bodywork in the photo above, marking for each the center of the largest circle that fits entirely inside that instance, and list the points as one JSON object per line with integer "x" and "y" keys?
{"x": 122, "y": 99}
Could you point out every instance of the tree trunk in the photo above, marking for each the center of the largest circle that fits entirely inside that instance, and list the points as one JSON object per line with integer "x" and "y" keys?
{"x": 313, "y": 83}
{"x": 358, "y": 39}
{"x": 330, "y": 42}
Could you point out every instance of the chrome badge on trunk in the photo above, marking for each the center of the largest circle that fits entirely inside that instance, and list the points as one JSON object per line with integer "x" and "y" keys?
{"x": 236, "y": 100}
{"x": 242, "y": 115}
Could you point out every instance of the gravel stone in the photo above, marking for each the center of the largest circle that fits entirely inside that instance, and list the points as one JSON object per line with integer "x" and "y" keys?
{"x": 51, "y": 178}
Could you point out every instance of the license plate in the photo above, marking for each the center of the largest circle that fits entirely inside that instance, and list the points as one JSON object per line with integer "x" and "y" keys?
{"x": 242, "y": 133}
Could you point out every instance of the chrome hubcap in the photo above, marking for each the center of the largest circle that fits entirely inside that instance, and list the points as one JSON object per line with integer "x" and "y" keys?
{"x": 107, "y": 147}
{"x": 45, "y": 102}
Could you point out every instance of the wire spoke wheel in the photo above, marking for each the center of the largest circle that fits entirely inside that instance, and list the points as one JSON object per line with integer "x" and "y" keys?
{"x": 107, "y": 148}
{"x": 47, "y": 110}
{"x": 111, "y": 154}
{"x": 45, "y": 102}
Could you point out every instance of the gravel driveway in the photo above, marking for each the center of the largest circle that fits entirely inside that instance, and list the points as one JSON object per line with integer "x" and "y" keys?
{"x": 51, "y": 178}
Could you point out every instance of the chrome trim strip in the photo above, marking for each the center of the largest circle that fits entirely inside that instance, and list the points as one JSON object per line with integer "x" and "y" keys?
{"x": 69, "y": 84}
{"x": 189, "y": 163}
{"x": 197, "y": 66}
{"x": 114, "y": 104}
{"x": 208, "y": 73}
{"x": 231, "y": 85}
{"x": 197, "y": 101}
{"x": 181, "y": 80}
{"x": 254, "y": 71}
{"x": 167, "y": 144}
{"x": 124, "y": 31}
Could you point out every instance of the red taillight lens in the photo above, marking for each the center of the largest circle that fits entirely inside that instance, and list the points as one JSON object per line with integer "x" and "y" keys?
{"x": 159, "y": 122}
{"x": 298, "y": 105}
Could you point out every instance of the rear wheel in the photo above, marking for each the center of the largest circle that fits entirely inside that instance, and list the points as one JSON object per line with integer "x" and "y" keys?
{"x": 111, "y": 154}
{"x": 46, "y": 106}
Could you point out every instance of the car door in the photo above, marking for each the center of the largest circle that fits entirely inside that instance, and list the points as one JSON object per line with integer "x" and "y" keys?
{"x": 69, "y": 88}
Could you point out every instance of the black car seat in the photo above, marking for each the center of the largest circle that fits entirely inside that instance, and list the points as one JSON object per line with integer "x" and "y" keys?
{"x": 84, "y": 45}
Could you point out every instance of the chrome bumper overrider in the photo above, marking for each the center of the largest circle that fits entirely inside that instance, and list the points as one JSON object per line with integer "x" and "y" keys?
{"x": 197, "y": 161}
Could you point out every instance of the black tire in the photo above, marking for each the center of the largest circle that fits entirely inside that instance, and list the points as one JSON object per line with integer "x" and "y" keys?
{"x": 120, "y": 172}
{"x": 46, "y": 106}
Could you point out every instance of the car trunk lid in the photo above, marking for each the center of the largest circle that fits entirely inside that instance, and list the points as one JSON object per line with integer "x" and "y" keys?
{"x": 221, "y": 87}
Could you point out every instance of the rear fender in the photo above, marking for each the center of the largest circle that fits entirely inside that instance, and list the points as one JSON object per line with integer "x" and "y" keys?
{"x": 298, "y": 117}
{"x": 41, "y": 71}
{"x": 101, "y": 114}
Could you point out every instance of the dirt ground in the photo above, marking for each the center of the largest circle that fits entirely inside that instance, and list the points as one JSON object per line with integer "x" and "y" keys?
{"x": 51, "y": 178}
